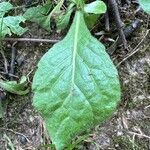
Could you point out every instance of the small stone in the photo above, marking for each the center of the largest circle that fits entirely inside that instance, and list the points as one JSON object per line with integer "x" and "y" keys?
{"x": 22, "y": 139}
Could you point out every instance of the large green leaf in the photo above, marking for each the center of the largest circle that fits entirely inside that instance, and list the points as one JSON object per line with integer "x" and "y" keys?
{"x": 76, "y": 85}
{"x": 145, "y": 4}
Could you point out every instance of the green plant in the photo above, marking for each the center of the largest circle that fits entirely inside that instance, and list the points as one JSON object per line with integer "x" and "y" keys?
{"x": 76, "y": 85}
{"x": 39, "y": 15}
{"x": 145, "y": 4}
{"x": 14, "y": 87}
{"x": 43, "y": 16}
{"x": 10, "y": 24}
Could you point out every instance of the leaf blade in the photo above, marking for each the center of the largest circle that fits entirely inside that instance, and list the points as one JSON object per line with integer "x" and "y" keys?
{"x": 96, "y": 7}
{"x": 14, "y": 87}
{"x": 76, "y": 85}
{"x": 4, "y": 8}
{"x": 39, "y": 15}
{"x": 145, "y": 5}
{"x": 13, "y": 23}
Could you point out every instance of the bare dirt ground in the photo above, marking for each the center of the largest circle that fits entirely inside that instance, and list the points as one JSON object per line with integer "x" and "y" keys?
{"x": 129, "y": 127}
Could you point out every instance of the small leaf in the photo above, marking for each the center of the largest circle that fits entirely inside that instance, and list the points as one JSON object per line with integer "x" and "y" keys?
{"x": 4, "y": 8}
{"x": 14, "y": 87}
{"x": 12, "y": 24}
{"x": 145, "y": 4}
{"x": 63, "y": 19}
{"x": 79, "y": 3}
{"x": 91, "y": 19}
{"x": 39, "y": 15}
{"x": 56, "y": 11}
{"x": 96, "y": 7}
{"x": 4, "y": 30}
{"x": 76, "y": 85}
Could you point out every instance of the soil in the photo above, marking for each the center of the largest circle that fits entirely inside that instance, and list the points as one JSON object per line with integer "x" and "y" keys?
{"x": 22, "y": 128}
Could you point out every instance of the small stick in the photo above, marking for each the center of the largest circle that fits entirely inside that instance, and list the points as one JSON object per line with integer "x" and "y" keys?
{"x": 114, "y": 7}
{"x": 107, "y": 25}
{"x": 138, "y": 134}
{"x": 125, "y": 2}
{"x": 30, "y": 40}
{"x": 5, "y": 60}
{"x": 12, "y": 64}
{"x": 17, "y": 133}
{"x": 127, "y": 32}
{"x": 2, "y": 95}
{"x": 136, "y": 49}
{"x": 9, "y": 74}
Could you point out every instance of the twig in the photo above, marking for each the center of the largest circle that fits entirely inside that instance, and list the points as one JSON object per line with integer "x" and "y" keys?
{"x": 119, "y": 24}
{"x": 12, "y": 64}
{"x": 138, "y": 134}
{"x": 30, "y": 40}
{"x": 5, "y": 60}
{"x": 9, "y": 74}
{"x": 127, "y": 32}
{"x": 107, "y": 26}
{"x": 2, "y": 95}
{"x": 10, "y": 130}
{"x": 125, "y": 2}
{"x": 135, "y": 50}
{"x": 1, "y": 77}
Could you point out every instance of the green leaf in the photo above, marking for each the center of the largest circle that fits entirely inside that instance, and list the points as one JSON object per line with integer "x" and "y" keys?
{"x": 14, "y": 87}
{"x": 4, "y": 8}
{"x": 76, "y": 85}
{"x": 39, "y": 15}
{"x": 91, "y": 19}
{"x": 96, "y": 7}
{"x": 63, "y": 19}
{"x": 12, "y": 24}
{"x": 56, "y": 11}
{"x": 145, "y": 4}
{"x": 79, "y": 3}
{"x": 93, "y": 11}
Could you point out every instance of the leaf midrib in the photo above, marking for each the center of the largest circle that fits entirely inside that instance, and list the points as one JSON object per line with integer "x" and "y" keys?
{"x": 75, "y": 45}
